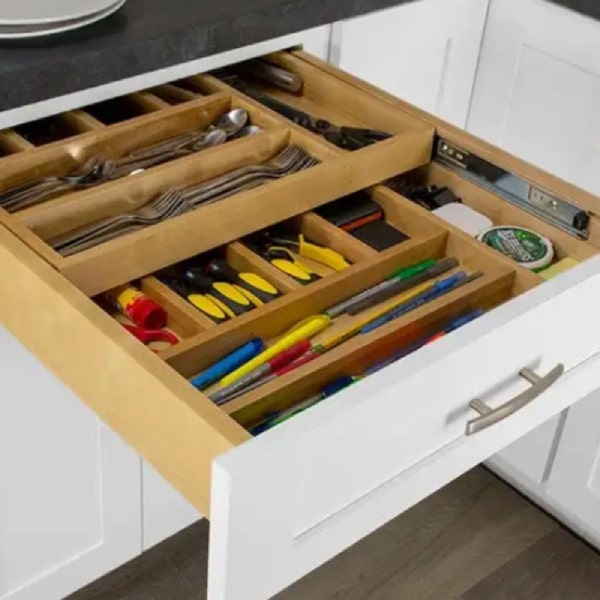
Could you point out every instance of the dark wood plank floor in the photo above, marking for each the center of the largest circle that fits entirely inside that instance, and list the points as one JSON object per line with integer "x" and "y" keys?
{"x": 476, "y": 539}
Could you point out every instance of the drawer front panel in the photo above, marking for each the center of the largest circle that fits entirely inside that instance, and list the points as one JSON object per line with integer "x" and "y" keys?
{"x": 283, "y": 490}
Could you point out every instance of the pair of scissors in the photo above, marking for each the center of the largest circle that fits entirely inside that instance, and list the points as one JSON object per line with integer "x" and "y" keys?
{"x": 147, "y": 336}
{"x": 347, "y": 138}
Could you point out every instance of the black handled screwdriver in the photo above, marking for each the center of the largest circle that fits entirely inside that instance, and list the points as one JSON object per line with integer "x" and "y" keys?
{"x": 202, "y": 302}
{"x": 222, "y": 293}
{"x": 258, "y": 290}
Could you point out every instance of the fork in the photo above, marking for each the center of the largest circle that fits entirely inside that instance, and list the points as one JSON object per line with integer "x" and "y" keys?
{"x": 44, "y": 188}
{"x": 173, "y": 203}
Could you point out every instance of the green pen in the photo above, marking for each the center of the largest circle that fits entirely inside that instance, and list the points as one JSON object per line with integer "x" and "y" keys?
{"x": 401, "y": 284}
{"x": 404, "y": 274}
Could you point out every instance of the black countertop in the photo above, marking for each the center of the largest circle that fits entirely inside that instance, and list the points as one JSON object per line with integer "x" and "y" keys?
{"x": 146, "y": 35}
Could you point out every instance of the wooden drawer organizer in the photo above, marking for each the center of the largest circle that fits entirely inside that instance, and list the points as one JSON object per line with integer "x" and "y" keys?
{"x": 167, "y": 434}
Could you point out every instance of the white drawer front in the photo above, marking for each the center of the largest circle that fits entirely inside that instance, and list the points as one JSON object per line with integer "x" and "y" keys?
{"x": 291, "y": 499}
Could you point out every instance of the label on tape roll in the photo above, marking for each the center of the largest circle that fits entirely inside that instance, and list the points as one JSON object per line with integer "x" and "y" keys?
{"x": 528, "y": 248}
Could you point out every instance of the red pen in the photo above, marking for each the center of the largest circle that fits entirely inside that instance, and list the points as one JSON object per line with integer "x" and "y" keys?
{"x": 278, "y": 362}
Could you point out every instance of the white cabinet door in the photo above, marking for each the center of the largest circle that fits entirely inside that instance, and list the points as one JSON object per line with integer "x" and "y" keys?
{"x": 165, "y": 511}
{"x": 70, "y": 506}
{"x": 574, "y": 484}
{"x": 425, "y": 52}
{"x": 537, "y": 90}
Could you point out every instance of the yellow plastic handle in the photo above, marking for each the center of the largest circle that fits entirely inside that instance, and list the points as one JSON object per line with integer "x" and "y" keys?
{"x": 304, "y": 330}
{"x": 325, "y": 256}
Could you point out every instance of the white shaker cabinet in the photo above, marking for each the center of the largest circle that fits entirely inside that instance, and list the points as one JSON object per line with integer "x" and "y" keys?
{"x": 537, "y": 90}
{"x": 425, "y": 52}
{"x": 536, "y": 95}
{"x": 573, "y": 487}
{"x": 70, "y": 506}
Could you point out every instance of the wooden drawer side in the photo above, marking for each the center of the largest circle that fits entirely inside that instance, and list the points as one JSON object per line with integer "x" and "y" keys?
{"x": 157, "y": 412}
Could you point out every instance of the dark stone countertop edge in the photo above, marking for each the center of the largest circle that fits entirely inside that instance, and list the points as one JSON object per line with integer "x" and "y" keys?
{"x": 125, "y": 46}
{"x": 55, "y": 73}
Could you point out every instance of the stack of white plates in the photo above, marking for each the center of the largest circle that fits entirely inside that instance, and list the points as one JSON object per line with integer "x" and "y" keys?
{"x": 33, "y": 18}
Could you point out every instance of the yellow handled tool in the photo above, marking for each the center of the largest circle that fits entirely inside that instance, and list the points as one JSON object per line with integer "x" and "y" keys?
{"x": 302, "y": 331}
{"x": 326, "y": 256}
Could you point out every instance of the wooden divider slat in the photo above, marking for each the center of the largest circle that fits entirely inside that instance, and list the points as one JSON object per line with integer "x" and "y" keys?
{"x": 242, "y": 258}
{"x": 189, "y": 319}
{"x": 11, "y": 142}
{"x": 173, "y": 94}
{"x": 148, "y": 102}
{"x": 408, "y": 221}
{"x": 324, "y": 233}
{"x": 80, "y": 121}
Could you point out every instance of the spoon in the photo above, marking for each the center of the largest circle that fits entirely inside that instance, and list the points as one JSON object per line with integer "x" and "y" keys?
{"x": 232, "y": 122}
{"x": 249, "y": 130}
{"x": 214, "y": 137}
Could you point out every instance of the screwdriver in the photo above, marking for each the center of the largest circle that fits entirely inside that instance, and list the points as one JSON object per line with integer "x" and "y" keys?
{"x": 257, "y": 289}
{"x": 203, "y": 303}
{"x": 224, "y": 294}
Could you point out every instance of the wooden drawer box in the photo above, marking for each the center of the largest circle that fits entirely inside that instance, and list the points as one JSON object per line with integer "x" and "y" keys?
{"x": 285, "y": 501}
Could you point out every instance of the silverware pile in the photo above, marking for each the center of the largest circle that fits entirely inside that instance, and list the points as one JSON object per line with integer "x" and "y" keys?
{"x": 173, "y": 203}
{"x": 98, "y": 170}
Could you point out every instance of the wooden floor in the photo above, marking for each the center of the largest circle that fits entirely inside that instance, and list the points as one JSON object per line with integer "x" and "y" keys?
{"x": 476, "y": 539}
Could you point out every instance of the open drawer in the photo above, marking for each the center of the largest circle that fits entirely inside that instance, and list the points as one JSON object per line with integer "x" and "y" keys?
{"x": 284, "y": 501}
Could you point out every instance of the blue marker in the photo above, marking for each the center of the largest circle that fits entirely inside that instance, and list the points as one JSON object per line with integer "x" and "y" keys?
{"x": 437, "y": 290}
{"x": 463, "y": 320}
{"x": 228, "y": 364}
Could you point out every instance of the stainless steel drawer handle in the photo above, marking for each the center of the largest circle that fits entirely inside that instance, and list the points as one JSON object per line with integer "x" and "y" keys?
{"x": 490, "y": 416}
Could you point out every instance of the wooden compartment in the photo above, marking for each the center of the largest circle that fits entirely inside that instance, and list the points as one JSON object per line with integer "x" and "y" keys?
{"x": 172, "y": 93}
{"x": 11, "y": 143}
{"x": 501, "y": 212}
{"x": 47, "y": 130}
{"x": 123, "y": 108}
{"x": 114, "y": 142}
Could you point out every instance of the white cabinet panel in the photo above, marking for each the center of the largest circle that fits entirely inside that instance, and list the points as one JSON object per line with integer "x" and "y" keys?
{"x": 530, "y": 456}
{"x": 574, "y": 484}
{"x": 70, "y": 506}
{"x": 538, "y": 88}
{"x": 425, "y": 52}
{"x": 165, "y": 511}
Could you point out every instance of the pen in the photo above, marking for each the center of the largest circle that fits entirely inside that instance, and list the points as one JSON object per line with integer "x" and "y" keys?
{"x": 306, "y": 358}
{"x": 278, "y": 361}
{"x": 402, "y": 274}
{"x": 278, "y": 418}
{"x": 399, "y": 285}
{"x": 435, "y": 291}
{"x": 304, "y": 330}
{"x": 228, "y": 363}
